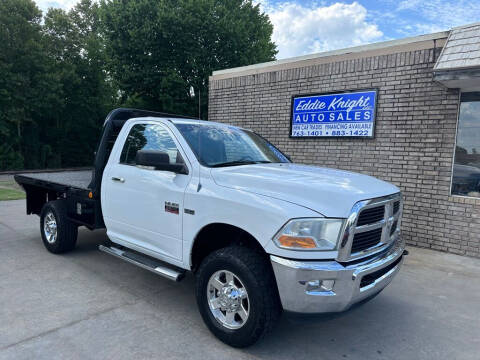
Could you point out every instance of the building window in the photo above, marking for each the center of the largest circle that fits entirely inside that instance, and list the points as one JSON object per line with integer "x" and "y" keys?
{"x": 466, "y": 165}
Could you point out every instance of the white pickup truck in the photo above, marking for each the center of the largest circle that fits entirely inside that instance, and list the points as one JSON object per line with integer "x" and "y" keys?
{"x": 260, "y": 233}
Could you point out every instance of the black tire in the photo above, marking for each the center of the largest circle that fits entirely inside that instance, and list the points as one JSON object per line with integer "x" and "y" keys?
{"x": 66, "y": 231}
{"x": 256, "y": 274}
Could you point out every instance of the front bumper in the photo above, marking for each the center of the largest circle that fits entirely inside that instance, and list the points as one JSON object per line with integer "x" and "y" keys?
{"x": 353, "y": 282}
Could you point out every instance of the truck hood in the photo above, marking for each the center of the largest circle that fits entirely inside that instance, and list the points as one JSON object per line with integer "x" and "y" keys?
{"x": 329, "y": 192}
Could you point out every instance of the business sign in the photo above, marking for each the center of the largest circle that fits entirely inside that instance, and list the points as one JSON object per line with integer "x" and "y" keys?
{"x": 350, "y": 114}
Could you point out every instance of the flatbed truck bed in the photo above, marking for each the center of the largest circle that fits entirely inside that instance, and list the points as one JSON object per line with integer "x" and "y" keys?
{"x": 83, "y": 207}
{"x": 74, "y": 179}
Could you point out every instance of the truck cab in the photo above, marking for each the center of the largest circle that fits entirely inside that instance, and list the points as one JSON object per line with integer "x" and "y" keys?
{"x": 261, "y": 233}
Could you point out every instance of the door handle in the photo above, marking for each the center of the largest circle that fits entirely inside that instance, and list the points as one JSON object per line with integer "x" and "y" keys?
{"x": 122, "y": 180}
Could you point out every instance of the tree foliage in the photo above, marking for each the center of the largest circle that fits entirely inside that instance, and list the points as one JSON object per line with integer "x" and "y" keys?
{"x": 61, "y": 73}
{"x": 23, "y": 66}
{"x": 161, "y": 50}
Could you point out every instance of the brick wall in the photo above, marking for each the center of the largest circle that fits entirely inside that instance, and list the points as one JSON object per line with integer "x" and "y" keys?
{"x": 414, "y": 135}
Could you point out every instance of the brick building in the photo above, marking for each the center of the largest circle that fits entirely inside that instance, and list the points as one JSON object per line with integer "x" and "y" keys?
{"x": 426, "y": 131}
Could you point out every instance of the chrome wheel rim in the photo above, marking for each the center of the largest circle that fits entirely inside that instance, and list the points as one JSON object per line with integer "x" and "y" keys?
{"x": 50, "y": 227}
{"x": 228, "y": 299}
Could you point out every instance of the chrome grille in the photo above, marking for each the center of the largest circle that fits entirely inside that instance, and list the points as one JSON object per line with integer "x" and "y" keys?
{"x": 365, "y": 240}
{"x": 396, "y": 206}
{"x": 371, "y": 227}
{"x": 372, "y": 215}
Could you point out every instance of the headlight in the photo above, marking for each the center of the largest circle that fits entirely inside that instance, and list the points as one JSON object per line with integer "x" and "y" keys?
{"x": 310, "y": 234}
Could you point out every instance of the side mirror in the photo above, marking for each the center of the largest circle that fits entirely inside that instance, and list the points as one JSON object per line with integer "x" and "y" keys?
{"x": 159, "y": 160}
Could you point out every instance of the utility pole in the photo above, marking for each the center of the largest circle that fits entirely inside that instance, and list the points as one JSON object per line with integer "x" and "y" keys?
{"x": 199, "y": 105}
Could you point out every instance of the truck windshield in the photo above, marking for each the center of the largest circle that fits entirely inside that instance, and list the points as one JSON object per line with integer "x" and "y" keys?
{"x": 217, "y": 146}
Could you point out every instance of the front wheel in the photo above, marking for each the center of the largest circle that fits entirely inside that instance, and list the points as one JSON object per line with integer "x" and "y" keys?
{"x": 237, "y": 295}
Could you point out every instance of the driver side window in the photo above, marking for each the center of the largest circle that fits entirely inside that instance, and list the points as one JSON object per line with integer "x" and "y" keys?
{"x": 149, "y": 137}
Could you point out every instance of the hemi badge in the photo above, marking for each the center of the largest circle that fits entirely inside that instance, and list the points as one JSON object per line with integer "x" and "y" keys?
{"x": 171, "y": 207}
{"x": 190, "y": 212}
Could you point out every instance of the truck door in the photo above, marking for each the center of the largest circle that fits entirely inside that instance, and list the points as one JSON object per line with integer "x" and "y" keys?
{"x": 142, "y": 207}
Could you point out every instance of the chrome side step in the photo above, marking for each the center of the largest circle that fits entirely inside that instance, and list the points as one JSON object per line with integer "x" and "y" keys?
{"x": 156, "y": 266}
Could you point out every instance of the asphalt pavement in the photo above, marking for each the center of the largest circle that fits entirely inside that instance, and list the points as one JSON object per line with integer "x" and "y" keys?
{"x": 89, "y": 305}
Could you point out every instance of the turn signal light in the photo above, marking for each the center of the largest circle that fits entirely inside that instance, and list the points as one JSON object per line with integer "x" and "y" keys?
{"x": 297, "y": 242}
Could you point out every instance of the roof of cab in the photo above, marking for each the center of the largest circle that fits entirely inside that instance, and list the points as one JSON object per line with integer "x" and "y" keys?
{"x": 119, "y": 116}
{"x": 186, "y": 121}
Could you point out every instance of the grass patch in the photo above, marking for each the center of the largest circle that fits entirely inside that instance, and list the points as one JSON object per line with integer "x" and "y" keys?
{"x": 11, "y": 194}
{"x": 9, "y": 184}
{"x": 10, "y": 190}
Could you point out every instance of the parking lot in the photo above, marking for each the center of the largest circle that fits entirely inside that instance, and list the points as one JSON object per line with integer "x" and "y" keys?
{"x": 89, "y": 305}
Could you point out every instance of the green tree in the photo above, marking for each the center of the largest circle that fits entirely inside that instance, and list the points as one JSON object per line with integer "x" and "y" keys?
{"x": 216, "y": 35}
{"x": 61, "y": 74}
{"x": 24, "y": 70}
{"x": 76, "y": 45}
{"x": 162, "y": 49}
{"x": 54, "y": 90}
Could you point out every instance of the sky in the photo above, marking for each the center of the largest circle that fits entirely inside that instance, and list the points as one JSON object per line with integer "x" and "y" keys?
{"x": 304, "y": 27}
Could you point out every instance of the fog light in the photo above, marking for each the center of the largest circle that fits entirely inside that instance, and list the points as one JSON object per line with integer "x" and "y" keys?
{"x": 327, "y": 285}
{"x": 320, "y": 285}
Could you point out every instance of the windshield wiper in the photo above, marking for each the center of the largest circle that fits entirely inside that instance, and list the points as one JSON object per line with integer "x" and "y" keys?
{"x": 241, "y": 162}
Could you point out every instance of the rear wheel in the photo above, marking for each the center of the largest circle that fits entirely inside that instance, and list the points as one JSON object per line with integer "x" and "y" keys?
{"x": 59, "y": 234}
{"x": 237, "y": 295}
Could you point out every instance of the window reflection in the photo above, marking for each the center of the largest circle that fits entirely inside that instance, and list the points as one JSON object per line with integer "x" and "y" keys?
{"x": 214, "y": 144}
{"x": 466, "y": 168}
{"x": 149, "y": 137}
